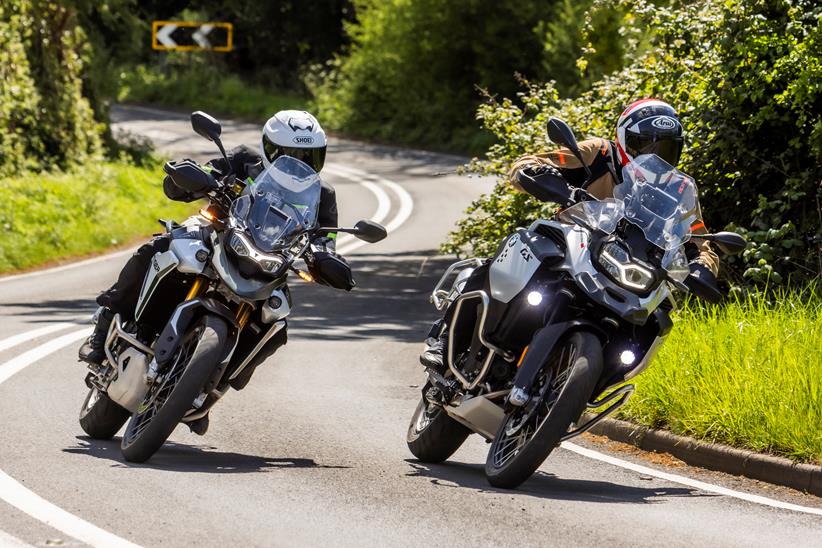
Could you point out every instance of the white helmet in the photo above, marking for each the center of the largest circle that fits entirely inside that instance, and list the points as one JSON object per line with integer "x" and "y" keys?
{"x": 294, "y": 133}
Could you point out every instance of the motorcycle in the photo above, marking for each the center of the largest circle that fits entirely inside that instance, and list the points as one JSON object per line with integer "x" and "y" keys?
{"x": 560, "y": 317}
{"x": 214, "y": 305}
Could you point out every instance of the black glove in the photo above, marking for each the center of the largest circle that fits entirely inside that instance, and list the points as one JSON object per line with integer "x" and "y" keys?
{"x": 544, "y": 182}
{"x": 539, "y": 170}
{"x": 702, "y": 283}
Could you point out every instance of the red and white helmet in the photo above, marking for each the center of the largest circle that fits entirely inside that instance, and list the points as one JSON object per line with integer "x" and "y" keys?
{"x": 649, "y": 126}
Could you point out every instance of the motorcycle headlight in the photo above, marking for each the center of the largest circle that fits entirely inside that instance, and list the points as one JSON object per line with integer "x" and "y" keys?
{"x": 243, "y": 248}
{"x": 617, "y": 263}
{"x": 239, "y": 246}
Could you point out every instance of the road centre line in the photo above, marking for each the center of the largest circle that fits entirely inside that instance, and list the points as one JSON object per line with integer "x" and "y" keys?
{"x": 22, "y": 498}
{"x": 21, "y": 338}
{"x": 675, "y": 478}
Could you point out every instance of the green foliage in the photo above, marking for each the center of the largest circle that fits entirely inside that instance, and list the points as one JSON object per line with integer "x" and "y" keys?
{"x": 50, "y": 216}
{"x": 182, "y": 84}
{"x": 745, "y": 77}
{"x": 45, "y": 119}
{"x": 411, "y": 73}
{"x": 747, "y": 374}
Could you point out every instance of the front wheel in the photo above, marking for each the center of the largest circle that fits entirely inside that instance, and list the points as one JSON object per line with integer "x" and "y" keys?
{"x": 528, "y": 435}
{"x": 100, "y": 417}
{"x": 171, "y": 396}
{"x": 433, "y": 436}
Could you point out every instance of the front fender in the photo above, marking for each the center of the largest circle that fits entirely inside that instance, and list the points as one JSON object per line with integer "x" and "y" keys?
{"x": 543, "y": 343}
{"x": 178, "y": 324}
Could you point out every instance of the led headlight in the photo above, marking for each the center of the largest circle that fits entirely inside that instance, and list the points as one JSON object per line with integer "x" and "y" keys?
{"x": 239, "y": 246}
{"x": 617, "y": 263}
{"x": 243, "y": 248}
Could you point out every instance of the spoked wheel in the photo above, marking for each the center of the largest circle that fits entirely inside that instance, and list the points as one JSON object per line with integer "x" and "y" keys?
{"x": 172, "y": 395}
{"x": 433, "y": 436}
{"x": 528, "y": 435}
{"x": 100, "y": 417}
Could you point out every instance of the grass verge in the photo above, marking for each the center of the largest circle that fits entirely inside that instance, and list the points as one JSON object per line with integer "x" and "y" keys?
{"x": 206, "y": 89}
{"x": 46, "y": 217}
{"x": 748, "y": 374}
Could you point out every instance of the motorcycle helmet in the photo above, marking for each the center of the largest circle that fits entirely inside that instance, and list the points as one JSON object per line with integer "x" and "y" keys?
{"x": 649, "y": 126}
{"x": 294, "y": 133}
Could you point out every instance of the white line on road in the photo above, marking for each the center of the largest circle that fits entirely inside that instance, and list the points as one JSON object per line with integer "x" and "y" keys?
{"x": 688, "y": 481}
{"x": 14, "y": 493}
{"x": 12, "y": 542}
{"x": 78, "y": 264}
{"x": 21, "y": 338}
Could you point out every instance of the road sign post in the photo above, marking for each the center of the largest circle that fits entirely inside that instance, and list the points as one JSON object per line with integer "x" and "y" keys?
{"x": 191, "y": 36}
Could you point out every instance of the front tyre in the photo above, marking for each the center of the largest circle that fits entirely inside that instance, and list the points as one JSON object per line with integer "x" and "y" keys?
{"x": 433, "y": 436}
{"x": 100, "y": 417}
{"x": 171, "y": 396}
{"x": 528, "y": 435}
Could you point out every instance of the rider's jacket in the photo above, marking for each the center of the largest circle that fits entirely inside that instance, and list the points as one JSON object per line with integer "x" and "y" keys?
{"x": 247, "y": 164}
{"x": 600, "y": 156}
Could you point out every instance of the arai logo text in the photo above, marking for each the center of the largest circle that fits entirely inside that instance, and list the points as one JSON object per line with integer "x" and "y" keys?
{"x": 664, "y": 122}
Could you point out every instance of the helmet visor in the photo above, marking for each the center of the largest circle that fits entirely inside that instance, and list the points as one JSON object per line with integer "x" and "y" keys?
{"x": 314, "y": 157}
{"x": 666, "y": 147}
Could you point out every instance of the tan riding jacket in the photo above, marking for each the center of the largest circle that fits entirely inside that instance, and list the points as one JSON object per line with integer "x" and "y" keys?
{"x": 598, "y": 155}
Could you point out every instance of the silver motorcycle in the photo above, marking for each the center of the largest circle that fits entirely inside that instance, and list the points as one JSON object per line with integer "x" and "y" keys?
{"x": 560, "y": 318}
{"x": 216, "y": 303}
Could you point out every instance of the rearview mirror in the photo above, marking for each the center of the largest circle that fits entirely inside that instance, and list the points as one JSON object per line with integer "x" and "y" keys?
{"x": 560, "y": 133}
{"x": 369, "y": 231}
{"x": 730, "y": 243}
{"x": 206, "y": 126}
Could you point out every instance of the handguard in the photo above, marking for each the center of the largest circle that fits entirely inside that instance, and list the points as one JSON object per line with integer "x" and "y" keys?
{"x": 546, "y": 184}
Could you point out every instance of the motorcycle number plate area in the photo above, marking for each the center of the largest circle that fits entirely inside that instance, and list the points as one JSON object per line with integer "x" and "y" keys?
{"x": 512, "y": 269}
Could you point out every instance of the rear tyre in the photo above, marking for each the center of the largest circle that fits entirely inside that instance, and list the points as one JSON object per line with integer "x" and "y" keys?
{"x": 167, "y": 401}
{"x": 433, "y": 436}
{"x": 528, "y": 435}
{"x": 100, "y": 417}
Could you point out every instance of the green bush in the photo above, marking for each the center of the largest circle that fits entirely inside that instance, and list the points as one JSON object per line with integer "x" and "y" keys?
{"x": 412, "y": 71}
{"x": 45, "y": 118}
{"x": 745, "y": 77}
{"x": 201, "y": 86}
{"x": 747, "y": 374}
{"x": 52, "y": 216}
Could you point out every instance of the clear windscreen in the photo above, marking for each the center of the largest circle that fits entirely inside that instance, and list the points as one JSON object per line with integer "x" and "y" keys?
{"x": 280, "y": 204}
{"x": 601, "y": 215}
{"x": 659, "y": 199}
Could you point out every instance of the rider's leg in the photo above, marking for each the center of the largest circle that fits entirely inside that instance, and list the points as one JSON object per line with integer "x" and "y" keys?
{"x": 121, "y": 298}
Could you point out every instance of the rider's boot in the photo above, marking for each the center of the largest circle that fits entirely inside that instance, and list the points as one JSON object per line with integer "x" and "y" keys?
{"x": 93, "y": 350}
{"x": 434, "y": 356}
{"x": 200, "y": 426}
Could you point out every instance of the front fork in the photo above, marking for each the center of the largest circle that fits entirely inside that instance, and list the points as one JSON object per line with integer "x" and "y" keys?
{"x": 200, "y": 286}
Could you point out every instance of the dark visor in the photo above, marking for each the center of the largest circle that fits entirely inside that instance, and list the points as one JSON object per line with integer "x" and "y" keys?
{"x": 315, "y": 157}
{"x": 666, "y": 147}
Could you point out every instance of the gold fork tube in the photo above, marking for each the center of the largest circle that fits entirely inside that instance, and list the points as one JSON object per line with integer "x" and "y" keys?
{"x": 197, "y": 288}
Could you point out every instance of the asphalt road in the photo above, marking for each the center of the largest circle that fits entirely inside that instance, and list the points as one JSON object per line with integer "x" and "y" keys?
{"x": 313, "y": 451}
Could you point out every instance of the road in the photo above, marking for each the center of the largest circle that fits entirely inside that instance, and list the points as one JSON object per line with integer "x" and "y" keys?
{"x": 313, "y": 451}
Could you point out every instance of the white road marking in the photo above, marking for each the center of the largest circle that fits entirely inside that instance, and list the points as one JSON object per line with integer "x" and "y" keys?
{"x": 406, "y": 205}
{"x": 347, "y": 243}
{"x": 14, "y": 493}
{"x": 12, "y": 542}
{"x": 709, "y": 487}
{"x": 21, "y": 338}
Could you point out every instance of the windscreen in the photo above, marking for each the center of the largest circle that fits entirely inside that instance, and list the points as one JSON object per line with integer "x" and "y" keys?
{"x": 659, "y": 199}
{"x": 601, "y": 215}
{"x": 280, "y": 204}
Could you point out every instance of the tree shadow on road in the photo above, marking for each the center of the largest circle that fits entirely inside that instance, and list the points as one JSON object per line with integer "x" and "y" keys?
{"x": 390, "y": 300}
{"x": 179, "y": 457}
{"x": 54, "y": 309}
{"x": 546, "y": 486}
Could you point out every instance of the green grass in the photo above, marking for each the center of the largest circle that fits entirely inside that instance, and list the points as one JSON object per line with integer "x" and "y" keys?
{"x": 748, "y": 374}
{"x": 203, "y": 88}
{"x": 46, "y": 217}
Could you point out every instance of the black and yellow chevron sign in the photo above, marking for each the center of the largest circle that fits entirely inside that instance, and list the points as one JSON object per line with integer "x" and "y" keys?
{"x": 191, "y": 36}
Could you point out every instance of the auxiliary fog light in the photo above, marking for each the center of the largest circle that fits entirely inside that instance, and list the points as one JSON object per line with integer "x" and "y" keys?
{"x": 627, "y": 357}
{"x": 534, "y": 298}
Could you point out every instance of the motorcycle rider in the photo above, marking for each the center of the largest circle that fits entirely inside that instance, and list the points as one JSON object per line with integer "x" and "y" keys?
{"x": 292, "y": 133}
{"x": 646, "y": 126}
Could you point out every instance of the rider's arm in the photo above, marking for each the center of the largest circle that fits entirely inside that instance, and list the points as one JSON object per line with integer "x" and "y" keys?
{"x": 240, "y": 159}
{"x": 597, "y": 154}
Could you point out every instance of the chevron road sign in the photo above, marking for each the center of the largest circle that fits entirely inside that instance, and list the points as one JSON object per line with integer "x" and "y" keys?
{"x": 191, "y": 36}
